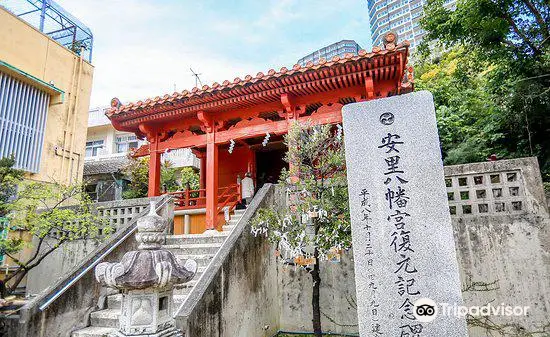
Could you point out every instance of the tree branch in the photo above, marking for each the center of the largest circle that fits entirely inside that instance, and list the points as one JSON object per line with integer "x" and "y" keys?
{"x": 37, "y": 262}
{"x": 538, "y": 17}
{"x": 37, "y": 251}
{"x": 518, "y": 31}
{"x": 16, "y": 260}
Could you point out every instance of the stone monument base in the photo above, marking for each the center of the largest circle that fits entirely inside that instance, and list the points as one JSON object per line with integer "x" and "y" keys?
{"x": 170, "y": 332}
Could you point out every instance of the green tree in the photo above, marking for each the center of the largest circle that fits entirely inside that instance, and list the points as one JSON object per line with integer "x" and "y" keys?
{"x": 171, "y": 178}
{"x": 40, "y": 209}
{"x": 188, "y": 177}
{"x": 512, "y": 39}
{"x": 316, "y": 221}
{"x": 137, "y": 171}
{"x": 9, "y": 179}
{"x": 467, "y": 116}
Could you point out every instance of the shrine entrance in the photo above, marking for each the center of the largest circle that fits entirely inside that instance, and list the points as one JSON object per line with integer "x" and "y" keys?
{"x": 237, "y": 126}
{"x": 269, "y": 164}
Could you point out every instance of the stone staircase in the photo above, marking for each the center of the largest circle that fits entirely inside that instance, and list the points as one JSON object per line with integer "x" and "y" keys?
{"x": 199, "y": 247}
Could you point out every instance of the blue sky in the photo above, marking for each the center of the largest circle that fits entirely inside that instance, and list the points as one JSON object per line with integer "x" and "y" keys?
{"x": 144, "y": 48}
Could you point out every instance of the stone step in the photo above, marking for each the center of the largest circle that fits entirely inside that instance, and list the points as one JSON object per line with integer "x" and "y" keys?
{"x": 228, "y": 228}
{"x": 107, "y": 318}
{"x": 195, "y": 238}
{"x": 115, "y": 301}
{"x": 200, "y": 271}
{"x": 185, "y": 289}
{"x": 202, "y": 260}
{"x": 93, "y": 331}
{"x": 194, "y": 249}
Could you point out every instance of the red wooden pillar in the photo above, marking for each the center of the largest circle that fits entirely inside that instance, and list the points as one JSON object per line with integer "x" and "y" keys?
{"x": 154, "y": 169}
{"x": 288, "y": 101}
{"x": 202, "y": 178}
{"x": 211, "y": 180}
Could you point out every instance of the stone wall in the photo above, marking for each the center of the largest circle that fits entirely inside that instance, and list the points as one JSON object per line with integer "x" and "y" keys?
{"x": 58, "y": 263}
{"x": 66, "y": 304}
{"x": 503, "y": 240}
{"x": 502, "y": 235}
{"x": 503, "y": 250}
{"x": 240, "y": 296}
{"x": 338, "y": 298}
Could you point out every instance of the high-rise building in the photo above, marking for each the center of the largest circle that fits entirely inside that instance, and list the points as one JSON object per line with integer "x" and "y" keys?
{"x": 400, "y": 16}
{"x": 339, "y": 48}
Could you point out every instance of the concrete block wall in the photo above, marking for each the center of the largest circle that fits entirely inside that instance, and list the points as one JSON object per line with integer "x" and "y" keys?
{"x": 62, "y": 260}
{"x": 502, "y": 234}
{"x": 76, "y": 300}
{"x": 505, "y": 249}
{"x": 504, "y": 246}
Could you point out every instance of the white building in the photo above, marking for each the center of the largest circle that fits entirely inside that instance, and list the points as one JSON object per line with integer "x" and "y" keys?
{"x": 399, "y": 16}
{"x": 107, "y": 153}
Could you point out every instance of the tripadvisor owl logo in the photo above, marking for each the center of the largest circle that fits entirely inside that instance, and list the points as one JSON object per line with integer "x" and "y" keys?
{"x": 425, "y": 310}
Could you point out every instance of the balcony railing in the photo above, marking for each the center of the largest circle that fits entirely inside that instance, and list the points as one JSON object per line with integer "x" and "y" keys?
{"x": 189, "y": 199}
{"x": 228, "y": 198}
{"x": 96, "y": 117}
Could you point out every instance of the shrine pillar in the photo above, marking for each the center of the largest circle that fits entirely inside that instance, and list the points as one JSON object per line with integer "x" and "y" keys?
{"x": 288, "y": 101}
{"x": 154, "y": 169}
{"x": 202, "y": 177}
{"x": 211, "y": 180}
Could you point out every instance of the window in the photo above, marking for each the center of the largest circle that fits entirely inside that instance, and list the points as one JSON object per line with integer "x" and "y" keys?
{"x": 125, "y": 143}
{"x": 93, "y": 148}
{"x": 23, "y": 113}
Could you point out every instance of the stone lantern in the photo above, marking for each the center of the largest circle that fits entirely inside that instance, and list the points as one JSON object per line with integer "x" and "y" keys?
{"x": 146, "y": 278}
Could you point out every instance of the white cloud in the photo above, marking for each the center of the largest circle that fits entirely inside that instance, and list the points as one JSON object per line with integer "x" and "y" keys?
{"x": 143, "y": 47}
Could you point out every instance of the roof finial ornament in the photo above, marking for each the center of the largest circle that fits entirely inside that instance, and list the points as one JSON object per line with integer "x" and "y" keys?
{"x": 390, "y": 40}
{"x": 115, "y": 103}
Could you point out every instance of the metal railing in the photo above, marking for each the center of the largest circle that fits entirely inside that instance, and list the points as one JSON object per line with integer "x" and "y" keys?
{"x": 99, "y": 258}
{"x": 56, "y": 22}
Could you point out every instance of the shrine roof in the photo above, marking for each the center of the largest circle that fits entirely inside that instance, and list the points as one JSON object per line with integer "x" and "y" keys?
{"x": 262, "y": 82}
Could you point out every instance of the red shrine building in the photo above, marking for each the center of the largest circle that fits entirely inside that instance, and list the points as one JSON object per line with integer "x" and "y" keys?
{"x": 237, "y": 126}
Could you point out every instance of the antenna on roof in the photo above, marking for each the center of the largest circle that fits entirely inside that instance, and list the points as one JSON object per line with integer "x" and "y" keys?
{"x": 197, "y": 78}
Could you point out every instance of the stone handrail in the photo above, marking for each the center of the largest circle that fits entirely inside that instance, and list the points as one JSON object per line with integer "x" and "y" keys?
{"x": 65, "y": 305}
{"x": 188, "y": 307}
{"x": 117, "y": 213}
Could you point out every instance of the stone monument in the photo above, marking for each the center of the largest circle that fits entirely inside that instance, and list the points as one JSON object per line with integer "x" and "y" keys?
{"x": 146, "y": 278}
{"x": 406, "y": 270}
